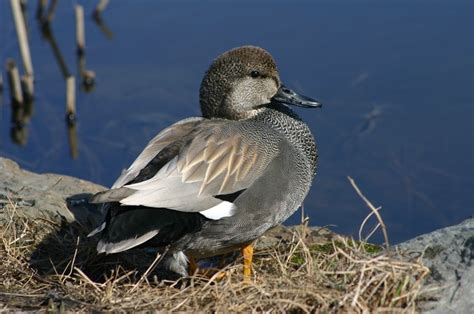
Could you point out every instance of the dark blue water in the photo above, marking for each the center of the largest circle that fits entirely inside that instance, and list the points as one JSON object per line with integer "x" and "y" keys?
{"x": 396, "y": 79}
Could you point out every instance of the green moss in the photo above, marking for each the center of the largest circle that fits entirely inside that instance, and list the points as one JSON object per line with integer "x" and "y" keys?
{"x": 328, "y": 248}
{"x": 372, "y": 248}
{"x": 297, "y": 259}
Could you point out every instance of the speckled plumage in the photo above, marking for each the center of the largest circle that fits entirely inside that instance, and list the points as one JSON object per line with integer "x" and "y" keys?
{"x": 250, "y": 159}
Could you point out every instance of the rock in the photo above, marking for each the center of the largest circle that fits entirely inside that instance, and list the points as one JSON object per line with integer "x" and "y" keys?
{"x": 449, "y": 253}
{"x": 40, "y": 195}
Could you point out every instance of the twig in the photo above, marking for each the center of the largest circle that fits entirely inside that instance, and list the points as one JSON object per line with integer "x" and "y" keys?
{"x": 41, "y": 8}
{"x": 49, "y": 36}
{"x": 24, "y": 13}
{"x": 21, "y": 295}
{"x": 28, "y": 88}
{"x": 20, "y": 26}
{"x": 14, "y": 82}
{"x": 72, "y": 139}
{"x": 371, "y": 233}
{"x": 359, "y": 285}
{"x": 51, "y": 10}
{"x": 70, "y": 99}
{"x": 87, "y": 279}
{"x": 362, "y": 225}
{"x": 74, "y": 258}
{"x": 22, "y": 36}
{"x": 372, "y": 208}
{"x": 102, "y": 26}
{"x": 100, "y": 7}
{"x": 88, "y": 76}
{"x": 80, "y": 33}
{"x": 157, "y": 259}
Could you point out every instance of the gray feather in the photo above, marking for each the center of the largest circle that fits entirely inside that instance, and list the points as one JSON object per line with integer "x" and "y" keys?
{"x": 113, "y": 195}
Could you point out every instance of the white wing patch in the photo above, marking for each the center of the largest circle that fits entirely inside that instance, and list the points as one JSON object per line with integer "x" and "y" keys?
{"x": 221, "y": 210}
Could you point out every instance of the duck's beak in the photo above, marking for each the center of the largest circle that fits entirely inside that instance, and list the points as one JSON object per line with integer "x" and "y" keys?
{"x": 286, "y": 96}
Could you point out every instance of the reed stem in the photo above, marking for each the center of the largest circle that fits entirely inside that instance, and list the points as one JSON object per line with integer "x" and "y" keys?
{"x": 80, "y": 33}
{"x": 14, "y": 83}
{"x": 22, "y": 36}
{"x": 71, "y": 99}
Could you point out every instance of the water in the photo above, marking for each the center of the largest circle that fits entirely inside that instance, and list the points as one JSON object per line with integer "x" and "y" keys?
{"x": 396, "y": 80}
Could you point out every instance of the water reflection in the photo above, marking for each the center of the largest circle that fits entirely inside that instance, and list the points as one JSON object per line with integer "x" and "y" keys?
{"x": 396, "y": 84}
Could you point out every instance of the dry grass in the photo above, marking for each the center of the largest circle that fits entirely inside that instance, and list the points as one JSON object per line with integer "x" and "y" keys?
{"x": 52, "y": 266}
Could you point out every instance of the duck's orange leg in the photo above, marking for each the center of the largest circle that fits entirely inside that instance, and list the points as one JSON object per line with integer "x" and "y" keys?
{"x": 247, "y": 253}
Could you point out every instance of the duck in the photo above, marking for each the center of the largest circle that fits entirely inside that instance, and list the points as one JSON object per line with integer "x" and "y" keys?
{"x": 211, "y": 185}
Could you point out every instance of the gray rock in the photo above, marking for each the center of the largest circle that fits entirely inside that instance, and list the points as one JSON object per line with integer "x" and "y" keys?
{"x": 449, "y": 253}
{"x": 50, "y": 195}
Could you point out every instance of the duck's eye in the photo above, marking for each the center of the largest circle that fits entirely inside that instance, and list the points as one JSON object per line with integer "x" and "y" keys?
{"x": 254, "y": 74}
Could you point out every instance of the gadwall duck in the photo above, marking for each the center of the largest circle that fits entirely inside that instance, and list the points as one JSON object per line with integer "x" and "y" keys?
{"x": 210, "y": 185}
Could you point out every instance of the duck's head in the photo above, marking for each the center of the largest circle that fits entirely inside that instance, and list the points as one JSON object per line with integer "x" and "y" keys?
{"x": 242, "y": 81}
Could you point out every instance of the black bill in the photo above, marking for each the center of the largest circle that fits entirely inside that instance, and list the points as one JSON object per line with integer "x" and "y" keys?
{"x": 289, "y": 97}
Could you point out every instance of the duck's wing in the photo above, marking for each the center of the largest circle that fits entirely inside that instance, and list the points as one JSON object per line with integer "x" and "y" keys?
{"x": 212, "y": 166}
{"x": 169, "y": 135}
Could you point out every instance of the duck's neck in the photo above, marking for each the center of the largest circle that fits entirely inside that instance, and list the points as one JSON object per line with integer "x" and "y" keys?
{"x": 287, "y": 122}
